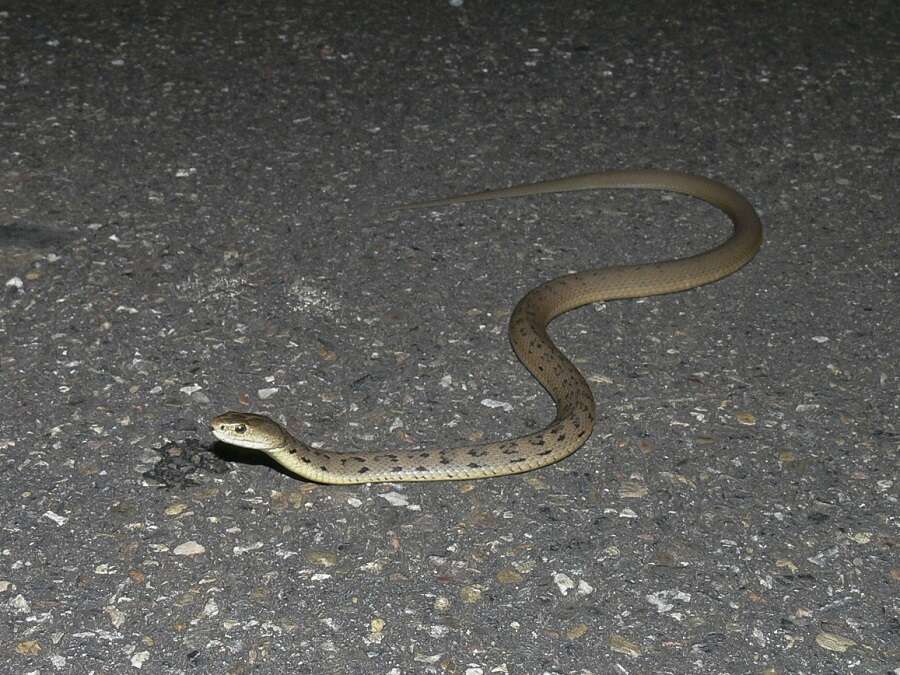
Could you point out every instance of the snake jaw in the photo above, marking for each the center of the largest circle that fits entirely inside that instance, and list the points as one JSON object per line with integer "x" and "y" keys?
{"x": 248, "y": 430}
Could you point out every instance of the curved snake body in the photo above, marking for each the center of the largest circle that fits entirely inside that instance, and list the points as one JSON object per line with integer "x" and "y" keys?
{"x": 575, "y": 407}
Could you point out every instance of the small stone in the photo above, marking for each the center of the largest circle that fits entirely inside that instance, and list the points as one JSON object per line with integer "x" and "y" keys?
{"x": 491, "y": 403}
{"x": 834, "y": 642}
{"x": 175, "y": 509}
{"x": 395, "y": 498}
{"x": 632, "y": 490}
{"x": 59, "y": 520}
{"x": 321, "y": 558}
{"x": 29, "y": 648}
{"x": 19, "y": 604}
{"x": 577, "y": 631}
{"x": 619, "y": 644}
{"x": 509, "y": 576}
{"x": 189, "y": 548}
{"x": 470, "y": 594}
{"x": 116, "y": 616}
{"x": 139, "y": 659}
{"x": 241, "y": 550}
{"x": 438, "y": 631}
{"x": 442, "y": 603}
{"x": 563, "y": 582}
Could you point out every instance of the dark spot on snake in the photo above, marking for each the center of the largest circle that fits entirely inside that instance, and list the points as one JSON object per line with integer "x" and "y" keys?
{"x": 305, "y": 460}
{"x": 516, "y": 461}
{"x": 395, "y": 469}
{"x": 323, "y": 469}
{"x": 444, "y": 460}
{"x": 561, "y": 437}
{"x": 292, "y": 451}
{"x": 473, "y": 465}
{"x": 545, "y": 452}
{"x": 475, "y": 452}
{"x": 365, "y": 469}
{"x": 421, "y": 468}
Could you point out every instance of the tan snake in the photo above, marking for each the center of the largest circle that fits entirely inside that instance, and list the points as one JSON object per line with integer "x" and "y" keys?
{"x": 528, "y": 334}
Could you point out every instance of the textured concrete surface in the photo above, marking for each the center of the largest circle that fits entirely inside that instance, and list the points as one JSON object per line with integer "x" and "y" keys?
{"x": 189, "y": 223}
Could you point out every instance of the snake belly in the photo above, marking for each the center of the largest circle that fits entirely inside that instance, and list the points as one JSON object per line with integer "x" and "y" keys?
{"x": 575, "y": 408}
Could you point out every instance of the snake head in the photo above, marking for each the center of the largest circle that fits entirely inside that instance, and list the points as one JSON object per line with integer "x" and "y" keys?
{"x": 248, "y": 430}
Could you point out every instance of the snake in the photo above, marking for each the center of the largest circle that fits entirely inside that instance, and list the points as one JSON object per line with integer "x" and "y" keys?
{"x": 575, "y": 407}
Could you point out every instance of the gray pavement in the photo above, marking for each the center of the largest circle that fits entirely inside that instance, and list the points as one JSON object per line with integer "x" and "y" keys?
{"x": 190, "y": 222}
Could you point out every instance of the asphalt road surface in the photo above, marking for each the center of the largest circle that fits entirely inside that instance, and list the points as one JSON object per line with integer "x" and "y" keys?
{"x": 191, "y": 221}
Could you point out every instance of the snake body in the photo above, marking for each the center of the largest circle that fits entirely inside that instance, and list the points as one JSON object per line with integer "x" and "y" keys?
{"x": 575, "y": 409}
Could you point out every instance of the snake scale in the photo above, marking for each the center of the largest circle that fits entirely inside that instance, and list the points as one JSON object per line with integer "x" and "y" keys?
{"x": 575, "y": 409}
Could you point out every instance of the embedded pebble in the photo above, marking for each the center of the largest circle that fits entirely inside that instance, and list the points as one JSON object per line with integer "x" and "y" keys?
{"x": 509, "y": 576}
{"x": 56, "y": 518}
{"x": 834, "y": 642}
{"x": 175, "y": 509}
{"x": 139, "y": 659}
{"x": 29, "y": 648}
{"x": 584, "y": 588}
{"x": 745, "y": 418}
{"x": 491, "y": 403}
{"x": 619, "y": 644}
{"x": 19, "y": 604}
{"x": 116, "y": 616}
{"x": 241, "y": 550}
{"x": 664, "y": 601}
{"x": 189, "y": 548}
{"x": 321, "y": 558}
{"x": 470, "y": 594}
{"x": 210, "y": 609}
{"x": 441, "y": 603}
{"x": 563, "y": 582}
{"x": 395, "y": 498}
{"x": 576, "y": 631}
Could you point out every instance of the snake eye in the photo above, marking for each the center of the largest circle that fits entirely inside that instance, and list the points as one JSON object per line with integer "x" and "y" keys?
{"x": 240, "y": 429}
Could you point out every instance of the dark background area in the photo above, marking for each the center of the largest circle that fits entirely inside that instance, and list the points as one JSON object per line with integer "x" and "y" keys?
{"x": 190, "y": 222}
